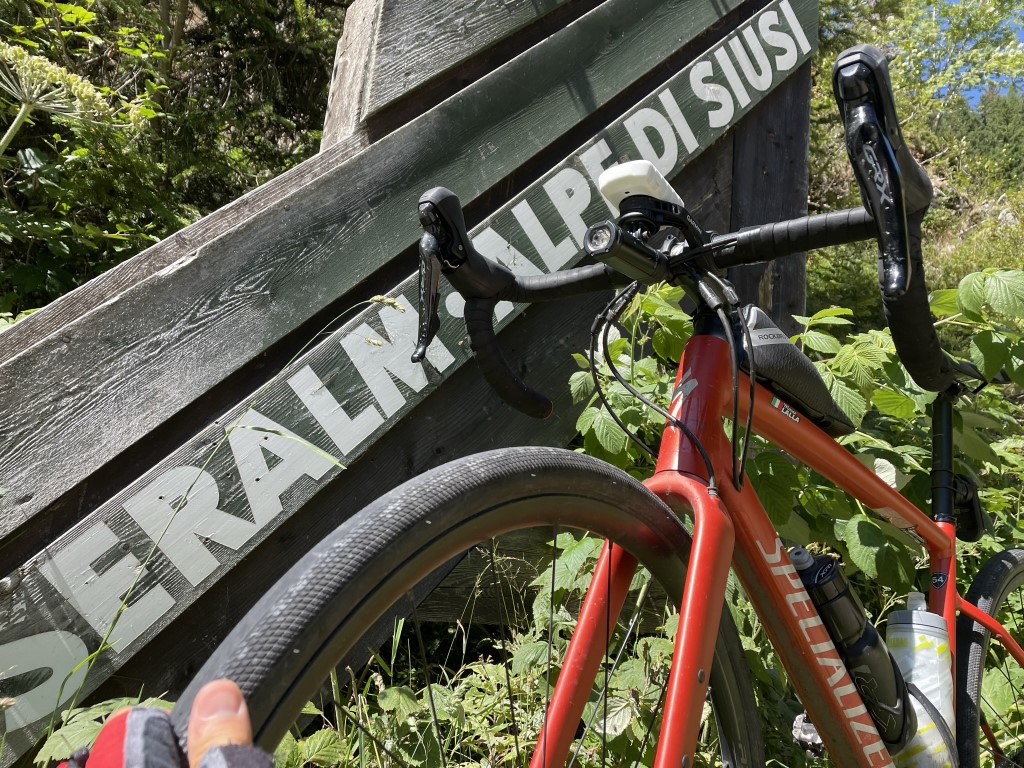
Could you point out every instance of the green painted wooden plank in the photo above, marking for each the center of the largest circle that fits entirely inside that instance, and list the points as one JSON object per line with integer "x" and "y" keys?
{"x": 247, "y": 474}
{"x": 421, "y": 40}
{"x": 138, "y": 360}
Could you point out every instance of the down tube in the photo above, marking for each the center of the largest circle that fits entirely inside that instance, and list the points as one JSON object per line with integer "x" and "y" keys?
{"x": 799, "y": 636}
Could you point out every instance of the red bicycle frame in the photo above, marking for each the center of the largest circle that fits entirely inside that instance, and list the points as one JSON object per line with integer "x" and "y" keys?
{"x": 733, "y": 530}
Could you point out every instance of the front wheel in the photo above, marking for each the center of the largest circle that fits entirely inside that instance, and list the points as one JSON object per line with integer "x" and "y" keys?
{"x": 990, "y": 684}
{"x": 440, "y": 614}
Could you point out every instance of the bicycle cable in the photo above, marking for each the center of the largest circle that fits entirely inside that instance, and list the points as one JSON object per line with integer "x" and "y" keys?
{"x": 603, "y": 323}
{"x": 726, "y": 296}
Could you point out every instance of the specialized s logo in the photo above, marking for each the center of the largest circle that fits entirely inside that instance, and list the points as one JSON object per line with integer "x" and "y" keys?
{"x": 685, "y": 386}
{"x": 876, "y": 174}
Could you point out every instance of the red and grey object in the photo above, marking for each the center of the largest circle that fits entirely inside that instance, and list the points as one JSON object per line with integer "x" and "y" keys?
{"x": 144, "y": 738}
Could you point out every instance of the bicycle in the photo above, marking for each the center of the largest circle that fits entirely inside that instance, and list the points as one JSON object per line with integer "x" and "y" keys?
{"x": 382, "y": 567}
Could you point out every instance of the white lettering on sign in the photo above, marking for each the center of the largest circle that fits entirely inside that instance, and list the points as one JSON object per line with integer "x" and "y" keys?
{"x": 555, "y": 256}
{"x": 494, "y": 246}
{"x": 794, "y": 26}
{"x": 705, "y": 90}
{"x": 98, "y": 597}
{"x": 645, "y": 122}
{"x": 592, "y": 160}
{"x": 679, "y": 121}
{"x": 346, "y": 432}
{"x": 733, "y": 77}
{"x": 58, "y": 653}
{"x": 761, "y": 78}
{"x": 255, "y": 437}
{"x": 179, "y": 507}
{"x": 767, "y": 25}
{"x": 378, "y": 362}
{"x": 570, "y": 194}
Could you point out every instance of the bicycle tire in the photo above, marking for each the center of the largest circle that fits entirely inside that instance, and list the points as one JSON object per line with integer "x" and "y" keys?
{"x": 284, "y": 648}
{"x": 981, "y": 670}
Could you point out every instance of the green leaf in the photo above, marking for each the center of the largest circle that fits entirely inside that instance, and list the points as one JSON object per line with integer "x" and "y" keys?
{"x": 859, "y": 362}
{"x": 829, "y": 316}
{"x": 667, "y": 344}
{"x": 989, "y": 352}
{"x": 894, "y": 403}
{"x": 608, "y": 433}
{"x": 400, "y": 699}
{"x": 971, "y": 295}
{"x": 585, "y": 422}
{"x": 1004, "y": 292}
{"x": 288, "y": 753}
{"x": 64, "y": 742}
{"x": 776, "y": 480}
{"x": 309, "y": 708}
{"x": 943, "y": 302}
{"x": 885, "y": 469}
{"x": 581, "y": 386}
{"x": 832, "y": 312}
{"x": 866, "y": 544}
{"x": 324, "y": 748}
{"x": 581, "y": 361}
{"x": 820, "y": 342}
{"x": 529, "y": 657}
{"x": 848, "y": 399}
{"x": 618, "y": 714}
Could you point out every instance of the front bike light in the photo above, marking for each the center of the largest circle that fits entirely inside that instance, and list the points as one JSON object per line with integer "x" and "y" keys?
{"x": 598, "y": 238}
{"x": 625, "y": 253}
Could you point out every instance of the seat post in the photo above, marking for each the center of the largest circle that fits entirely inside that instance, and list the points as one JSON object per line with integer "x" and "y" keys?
{"x": 943, "y": 477}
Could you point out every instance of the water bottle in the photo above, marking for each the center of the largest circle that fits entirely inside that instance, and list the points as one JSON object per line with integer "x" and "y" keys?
{"x": 919, "y": 643}
{"x": 861, "y": 648}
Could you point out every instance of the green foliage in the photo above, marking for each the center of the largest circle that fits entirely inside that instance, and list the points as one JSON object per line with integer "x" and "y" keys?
{"x": 646, "y": 358}
{"x": 945, "y": 53}
{"x": 121, "y": 124}
{"x": 386, "y": 711}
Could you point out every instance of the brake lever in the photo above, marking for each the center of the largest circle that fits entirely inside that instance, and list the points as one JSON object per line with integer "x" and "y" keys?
{"x": 430, "y": 276}
{"x": 892, "y": 185}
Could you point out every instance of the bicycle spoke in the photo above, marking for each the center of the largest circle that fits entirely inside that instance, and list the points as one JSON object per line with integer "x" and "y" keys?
{"x": 551, "y": 641}
{"x": 430, "y": 689}
{"x": 503, "y": 625}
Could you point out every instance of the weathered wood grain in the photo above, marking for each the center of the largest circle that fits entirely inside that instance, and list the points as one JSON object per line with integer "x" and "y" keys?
{"x": 771, "y": 155}
{"x": 420, "y": 40}
{"x": 353, "y": 63}
{"x": 89, "y": 391}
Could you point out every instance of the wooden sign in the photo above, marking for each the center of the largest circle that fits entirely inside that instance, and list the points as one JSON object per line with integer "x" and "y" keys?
{"x": 158, "y": 479}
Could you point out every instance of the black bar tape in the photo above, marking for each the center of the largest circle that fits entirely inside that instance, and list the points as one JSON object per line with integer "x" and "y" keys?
{"x": 772, "y": 241}
{"x": 495, "y": 368}
{"x": 559, "y": 285}
{"x": 910, "y": 322}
